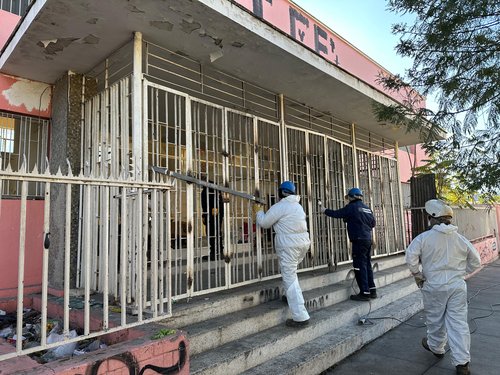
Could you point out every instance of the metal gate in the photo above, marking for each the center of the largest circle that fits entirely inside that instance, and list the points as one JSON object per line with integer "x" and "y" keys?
{"x": 324, "y": 169}
{"x": 204, "y": 239}
{"x": 214, "y": 241}
{"x": 320, "y": 166}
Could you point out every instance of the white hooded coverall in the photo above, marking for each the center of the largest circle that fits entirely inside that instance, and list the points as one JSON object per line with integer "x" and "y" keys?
{"x": 292, "y": 242}
{"x": 446, "y": 256}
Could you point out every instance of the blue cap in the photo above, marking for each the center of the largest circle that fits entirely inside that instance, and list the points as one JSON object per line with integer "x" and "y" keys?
{"x": 288, "y": 187}
{"x": 355, "y": 192}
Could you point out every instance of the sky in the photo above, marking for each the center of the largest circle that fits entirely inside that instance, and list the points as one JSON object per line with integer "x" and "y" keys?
{"x": 366, "y": 24}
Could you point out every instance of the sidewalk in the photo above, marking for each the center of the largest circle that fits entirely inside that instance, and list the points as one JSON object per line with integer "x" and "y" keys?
{"x": 400, "y": 352}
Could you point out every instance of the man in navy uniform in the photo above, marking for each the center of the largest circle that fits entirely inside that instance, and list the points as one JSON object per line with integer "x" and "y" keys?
{"x": 360, "y": 223}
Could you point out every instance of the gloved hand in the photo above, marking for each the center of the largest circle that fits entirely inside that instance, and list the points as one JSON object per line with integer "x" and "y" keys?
{"x": 256, "y": 208}
{"x": 320, "y": 207}
{"x": 419, "y": 279}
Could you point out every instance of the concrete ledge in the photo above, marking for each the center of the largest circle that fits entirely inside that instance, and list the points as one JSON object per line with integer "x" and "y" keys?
{"x": 319, "y": 355}
{"x": 214, "y": 332}
{"x": 244, "y": 353}
{"x": 209, "y": 306}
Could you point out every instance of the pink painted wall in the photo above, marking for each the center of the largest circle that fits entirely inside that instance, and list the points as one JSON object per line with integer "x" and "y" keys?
{"x": 497, "y": 207}
{"x": 487, "y": 249}
{"x": 8, "y": 22}
{"x": 9, "y": 246}
{"x": 408, "y": 160}
{"x": 305, "y": 29}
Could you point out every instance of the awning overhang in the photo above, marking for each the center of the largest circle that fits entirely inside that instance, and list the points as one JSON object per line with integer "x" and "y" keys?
{"x": 57, "y": 35}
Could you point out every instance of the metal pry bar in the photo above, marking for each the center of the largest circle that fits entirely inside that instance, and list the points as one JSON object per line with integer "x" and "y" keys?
{"x": 197, "y": 181}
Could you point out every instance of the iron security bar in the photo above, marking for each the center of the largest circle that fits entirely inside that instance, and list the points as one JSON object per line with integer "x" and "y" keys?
{"x": 197, "y": 181}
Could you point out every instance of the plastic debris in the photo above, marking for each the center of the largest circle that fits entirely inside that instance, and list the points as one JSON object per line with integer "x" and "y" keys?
{"x": 6, "y": 332}
{"x": 62, "y": 351}
{"x": 31, "y": 335}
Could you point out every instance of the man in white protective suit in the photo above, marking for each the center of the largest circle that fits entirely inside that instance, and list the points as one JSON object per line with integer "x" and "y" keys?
{"x": 446, "y": 257}
{"x": 292, "y": 243}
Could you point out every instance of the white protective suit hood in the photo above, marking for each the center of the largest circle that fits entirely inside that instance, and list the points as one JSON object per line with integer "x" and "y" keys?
{"x": 443, "y": 228}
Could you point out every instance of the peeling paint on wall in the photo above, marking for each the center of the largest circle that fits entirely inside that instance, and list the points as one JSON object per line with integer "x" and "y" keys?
{"x": 189, "y": 25}
{"x": 134, "y": 9}
{"x": 91, "y": 39}
{"x": 162, "y": 25}
{"x": 55, "y": 45}
{"x": 24, "y": 96}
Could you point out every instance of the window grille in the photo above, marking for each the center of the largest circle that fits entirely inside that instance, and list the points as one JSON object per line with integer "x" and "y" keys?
{"x": 18, "y": 7}
{"x": 22, "y": 139}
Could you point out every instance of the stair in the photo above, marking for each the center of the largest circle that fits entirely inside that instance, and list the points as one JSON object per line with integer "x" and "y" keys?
{"x": 242, "y": 330}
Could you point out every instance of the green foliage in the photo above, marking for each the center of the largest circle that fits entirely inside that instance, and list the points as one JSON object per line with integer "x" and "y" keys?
{"x": 455, "y": 47}
{"x": 449, "y": 186}
{"x": 164, "y": 332}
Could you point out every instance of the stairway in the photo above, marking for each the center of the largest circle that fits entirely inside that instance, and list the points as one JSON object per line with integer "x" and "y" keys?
{"x": 242, "y": 330}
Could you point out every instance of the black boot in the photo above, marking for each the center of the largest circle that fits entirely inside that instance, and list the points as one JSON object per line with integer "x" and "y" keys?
{"x": 294, "y": 323}
{"x": 360, "y": 297}
{"x": 463, "y": 369}
{"x": 426, "y": 347}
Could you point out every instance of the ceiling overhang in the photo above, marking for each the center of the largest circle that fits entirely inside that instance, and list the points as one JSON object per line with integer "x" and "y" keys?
{"x": 57, "y": 35}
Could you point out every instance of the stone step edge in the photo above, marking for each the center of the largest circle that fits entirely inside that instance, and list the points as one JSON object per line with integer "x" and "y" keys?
{"x": 231, "y": 300}
{"x": 336, "y": 345}
{"x": 237, "y": 356}
{"x": 255, "y": 318}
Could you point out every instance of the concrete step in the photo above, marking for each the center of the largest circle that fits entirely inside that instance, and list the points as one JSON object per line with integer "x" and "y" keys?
{"x": 316, "y": 279}
{"x": 200, "y": 308}
{"x": 220, "y": 330}
{"x": 252, "y": 350}
{"x": 320, "y": 354}
{"x": 331, "y": 294}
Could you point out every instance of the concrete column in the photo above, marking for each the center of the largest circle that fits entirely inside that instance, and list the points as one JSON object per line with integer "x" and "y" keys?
{"x": 65, "y": 145}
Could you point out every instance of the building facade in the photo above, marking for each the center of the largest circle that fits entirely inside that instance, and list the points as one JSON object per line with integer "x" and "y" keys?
{"x": 240, "y": 95}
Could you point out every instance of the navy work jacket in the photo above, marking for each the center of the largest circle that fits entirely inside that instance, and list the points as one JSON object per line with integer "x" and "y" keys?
{"x": 359, "y": 218}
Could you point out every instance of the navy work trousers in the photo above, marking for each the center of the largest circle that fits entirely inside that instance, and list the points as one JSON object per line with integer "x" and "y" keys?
{"x": 361, "y": 262}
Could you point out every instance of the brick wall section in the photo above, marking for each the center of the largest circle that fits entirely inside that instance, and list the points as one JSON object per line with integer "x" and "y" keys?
{"x": 130, "y": 350}
{"x": 131, "y": 357}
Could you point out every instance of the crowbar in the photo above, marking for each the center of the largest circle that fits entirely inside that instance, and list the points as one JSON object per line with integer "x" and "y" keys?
{"x": 210, "y": 185}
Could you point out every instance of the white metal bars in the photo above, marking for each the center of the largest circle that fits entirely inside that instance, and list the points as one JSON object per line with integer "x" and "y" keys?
{"x": 22, "y": 139}
{"x": 18, "y": 7}
{"x": 223, "y": 153}
{"x": 67, "y": 183}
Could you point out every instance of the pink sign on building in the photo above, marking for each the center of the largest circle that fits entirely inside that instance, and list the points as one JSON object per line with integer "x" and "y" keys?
{"x": 8, "y": 22}
{"x": 305, "y": 29}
